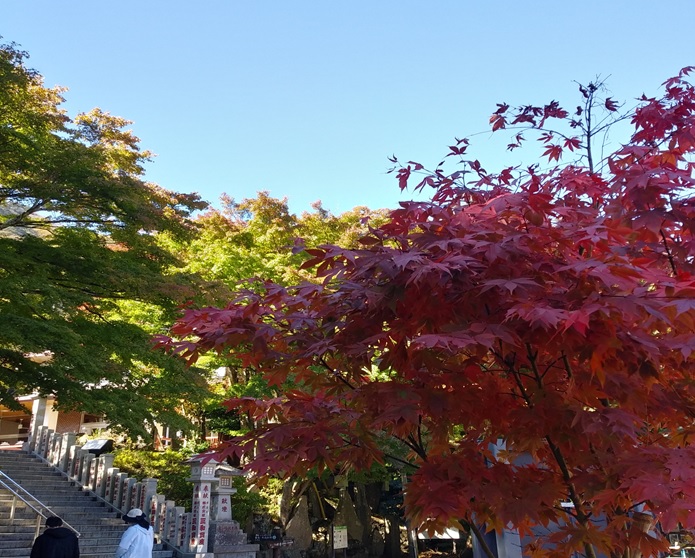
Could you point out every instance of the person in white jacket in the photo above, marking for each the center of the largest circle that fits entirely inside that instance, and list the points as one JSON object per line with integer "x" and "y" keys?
{"x": 138, "y": 539}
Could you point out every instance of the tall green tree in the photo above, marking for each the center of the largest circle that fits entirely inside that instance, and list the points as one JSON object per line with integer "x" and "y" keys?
{"x": 83, "y": 280}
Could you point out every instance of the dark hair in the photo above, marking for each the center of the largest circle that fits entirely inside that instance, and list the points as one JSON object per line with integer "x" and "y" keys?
{"x": 138, "y": 520}
{"x": 54, "y": 521}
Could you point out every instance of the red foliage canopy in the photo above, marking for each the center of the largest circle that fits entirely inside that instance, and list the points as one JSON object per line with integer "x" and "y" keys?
{"x": 529, "y": 338}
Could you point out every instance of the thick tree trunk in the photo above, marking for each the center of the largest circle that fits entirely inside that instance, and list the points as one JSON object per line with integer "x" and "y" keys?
{"x": 392, "y": 548}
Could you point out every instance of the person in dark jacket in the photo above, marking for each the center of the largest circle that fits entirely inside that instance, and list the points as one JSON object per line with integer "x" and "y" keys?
{"x": 56, "y": 542}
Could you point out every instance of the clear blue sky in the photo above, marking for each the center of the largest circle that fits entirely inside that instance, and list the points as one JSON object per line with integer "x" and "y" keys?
{"x": 308, "y": 99}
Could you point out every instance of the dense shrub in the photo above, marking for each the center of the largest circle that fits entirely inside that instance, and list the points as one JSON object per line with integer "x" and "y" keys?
{"x": 168, "y": 467}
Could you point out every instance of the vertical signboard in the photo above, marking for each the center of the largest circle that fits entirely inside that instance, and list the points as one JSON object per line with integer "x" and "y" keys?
{"x": 340, "y": 537}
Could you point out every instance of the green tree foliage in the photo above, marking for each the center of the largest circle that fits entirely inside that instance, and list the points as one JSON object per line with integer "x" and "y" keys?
{"x": 250, "y": 500}
{"x": 168, "y": 467}
{"x": 258, "y": 237}
{"x": 83, "y": 280}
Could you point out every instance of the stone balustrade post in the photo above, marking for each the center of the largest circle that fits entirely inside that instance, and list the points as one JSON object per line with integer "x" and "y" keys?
{"x": 80, "y": 460}
{"x": 169, "y": 523}
{"x": 187, "y": 532}
{"x": 111, "y": 474}
{"x": 125, "y": 495}
{"x": 53, "y": 440}
{"x": 55, "y": 451}
{"x": 73, "y": 461}
{"x": 43, "y": 441}
{"x": 129, "y": 494}
{"x": 69, "y": 440}
{"x": 119, "y": 490}
{"x": 86, "y": 469}
{"x": 93, "y": 472}
{"x": 179, "y": 536}
{"x": 136, "y": 495}
{"x": 156, "y": 506}
{"x": 149, "y": 489}
{"x": 105, "y": 462}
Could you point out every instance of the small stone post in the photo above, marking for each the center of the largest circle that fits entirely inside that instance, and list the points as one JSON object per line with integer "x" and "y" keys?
{"x": 147, "y": 492}
{"x": 105, "y": 462}
{"x": 69, "y": 440}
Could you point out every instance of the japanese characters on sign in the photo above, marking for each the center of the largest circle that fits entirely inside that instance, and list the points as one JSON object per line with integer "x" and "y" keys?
{"x": 201, "y": 515}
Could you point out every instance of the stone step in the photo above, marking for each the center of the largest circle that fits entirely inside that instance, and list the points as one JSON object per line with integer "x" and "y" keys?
{"x": 42, "y": 482}
{"x": 75, "y": 498}
{"x": 26, "y": 543}
{"x": 19, "y": 514}
{"x": 56, "y": 489}
{"x": 6, "y": 505}
{"x": 75, "y": 495}
{"x": 155, "y": 554}
{"x": 15, "y": 535}
{"x": 58, "y": 482}
{"x": 106, "y": 549}
{"x": 96, "y": 545}
{"x": 26, "y": 465}
{"x": 100, "y": 522}
{"x": 66, "y": 512}
{"x": 24, "y": 552}
{"x": 13, "y": 529}
{"x": 20, "y": 522}
{"x": 31, "y": 472}
{"x": 39, "y": 480}
{"x": 40, "y": 471}
{"x": 63, "y": 491}
{"x": 42, "y": 474}
{"x": 104, "y": 530}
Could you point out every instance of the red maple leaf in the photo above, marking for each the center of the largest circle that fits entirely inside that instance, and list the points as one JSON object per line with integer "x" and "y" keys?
{"x": 498, "y": 122}
{"x": 572, "y": 143}
{"x": 611, "y": 105}
{"x": 553, "y": 152}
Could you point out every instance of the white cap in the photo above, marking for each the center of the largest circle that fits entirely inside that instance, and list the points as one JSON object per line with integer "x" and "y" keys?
{"x": 133, "y": 514}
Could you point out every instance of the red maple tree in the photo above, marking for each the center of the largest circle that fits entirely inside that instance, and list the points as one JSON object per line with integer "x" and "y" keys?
{"x": 527, "y": 335}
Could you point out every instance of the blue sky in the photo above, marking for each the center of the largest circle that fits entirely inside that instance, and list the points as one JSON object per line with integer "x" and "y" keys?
{"x": 308, "y": 99}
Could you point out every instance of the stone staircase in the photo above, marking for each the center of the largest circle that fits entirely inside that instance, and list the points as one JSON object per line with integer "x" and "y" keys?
{"x": 100, "y": 527}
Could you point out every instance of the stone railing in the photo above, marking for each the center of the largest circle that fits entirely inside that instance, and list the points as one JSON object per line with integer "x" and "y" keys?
{"x": 171, "y": 523}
